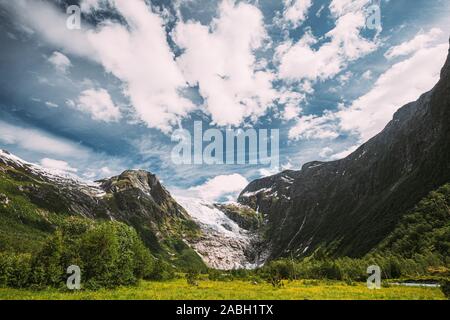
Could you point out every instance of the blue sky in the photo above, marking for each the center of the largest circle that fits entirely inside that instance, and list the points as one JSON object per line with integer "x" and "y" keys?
{"x": 106, "y": 98}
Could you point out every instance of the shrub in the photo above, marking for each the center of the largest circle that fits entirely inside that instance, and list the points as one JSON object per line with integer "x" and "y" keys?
{"x": 283, "y": 269}
{"x": 445, "y": 287}
{"x": 15, "y": 269}
{"x": 47, "y": 269}
{"x": 161, "y": 271}
{"x": 192, "y": 278}
{"x": 109, "y": 254}
{"x": 112, "y": 254}
{"x": 275, "y": 281}
{"x": 100, "y": 255}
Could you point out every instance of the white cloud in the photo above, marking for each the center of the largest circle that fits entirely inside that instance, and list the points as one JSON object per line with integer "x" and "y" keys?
{"x": 60, "y": 61}
{"x": 420, "y": 41}
{"x": 57, "y": 165}
{"x": 402, "y": 83}
{"x": 296, "y": 11}
{"x": 88, "y": 5}
{"x": 345, "y": 77}
{"x": 265, "y": 172}
{"x": 291, "y": 101}
{"x": 287, "y": 166}
{"x": 301, "y": 61}
{"x": 367, "y": 75}
{"x": 291, "y": 111}
{"x": 342, "y": 7}
{"x": 217, "y": 188}
{"x": 39, "y": 141}
{"x": 220, "y": 59}
{"x": 138, "y": 54}
{"x": 51, "y": 104}
{"x": 325, "y": 152}
{"x": 343, "y": 154}
{"x": 44, "y": 19}
{"x": 98, "y": 104}
{"x": 105, "y": 171}
{"x": 314, "y": 127}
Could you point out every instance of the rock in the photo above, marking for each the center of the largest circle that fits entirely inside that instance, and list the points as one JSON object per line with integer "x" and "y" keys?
{"x": 244, "y": 216}
{"x": 4, "y": 199}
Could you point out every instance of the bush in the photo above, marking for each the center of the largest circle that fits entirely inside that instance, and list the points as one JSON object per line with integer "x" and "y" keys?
{"x": 15, "y": 270}
{"x": 161, "y": 271}
{"x": 275, "y": 281}
{"x": 445, "y": 287}
{"x": 47, "y": 269}
{"x": 239, "y": 273}
{"x": 282, "y": 269}
{"x": 100, "y": 255}
{"x": 109, "y": 254}
{"x": 112, "y": 254}
{"x": 329, "y": 270}
{"x": 192, "y": 278}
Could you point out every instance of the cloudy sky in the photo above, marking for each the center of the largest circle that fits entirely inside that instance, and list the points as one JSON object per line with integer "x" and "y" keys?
{"x": 97, "y": 101}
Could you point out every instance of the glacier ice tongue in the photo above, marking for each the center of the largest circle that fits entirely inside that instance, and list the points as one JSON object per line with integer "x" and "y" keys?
{"x": 223, "y": 245}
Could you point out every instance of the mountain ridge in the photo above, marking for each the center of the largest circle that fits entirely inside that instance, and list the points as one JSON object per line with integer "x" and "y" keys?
{"x": 346, "y": 206}
{"x": 350, "y": 205}
{"x": 134, "y": 197}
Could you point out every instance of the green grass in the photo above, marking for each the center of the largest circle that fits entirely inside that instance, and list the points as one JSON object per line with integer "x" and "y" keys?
{"x": 235, "y": 290}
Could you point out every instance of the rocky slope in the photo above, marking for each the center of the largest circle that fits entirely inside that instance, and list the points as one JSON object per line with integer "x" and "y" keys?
{"x": 224, "y": 244}
{"x": 350, "y": 205}
{"x": 134, "y": 197}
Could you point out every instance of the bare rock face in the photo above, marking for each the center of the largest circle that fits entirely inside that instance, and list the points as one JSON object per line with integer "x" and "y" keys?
{"x": 350, "y": 205}
{"x": 244, "y": 216}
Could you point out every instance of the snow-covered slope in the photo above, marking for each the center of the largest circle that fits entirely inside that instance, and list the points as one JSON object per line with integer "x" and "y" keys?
{"x": 49, "y": 174}
{"x": 224, "y": 245}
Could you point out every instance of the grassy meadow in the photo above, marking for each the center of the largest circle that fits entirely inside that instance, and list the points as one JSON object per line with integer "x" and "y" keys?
{"x": 235, "y": 290}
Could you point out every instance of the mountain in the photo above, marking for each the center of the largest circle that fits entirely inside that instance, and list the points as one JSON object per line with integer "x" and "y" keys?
{"x": 350, "y": 205}
{"x": 186, "y": 232}
{"x": 34, "y": 200}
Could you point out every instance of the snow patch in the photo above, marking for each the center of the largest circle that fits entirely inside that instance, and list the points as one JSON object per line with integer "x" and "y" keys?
{"x": 53, "y": 175}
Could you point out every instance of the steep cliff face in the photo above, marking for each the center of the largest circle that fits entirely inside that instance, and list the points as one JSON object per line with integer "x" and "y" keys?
{"x": 350, "y": 205}
{"x": 138, "y": 194}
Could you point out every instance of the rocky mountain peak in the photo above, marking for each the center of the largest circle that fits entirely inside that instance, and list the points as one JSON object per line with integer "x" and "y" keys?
{"x": 144, "y": 181}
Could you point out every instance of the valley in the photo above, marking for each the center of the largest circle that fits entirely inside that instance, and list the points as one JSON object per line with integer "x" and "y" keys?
{"x": 385, "y": 204}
